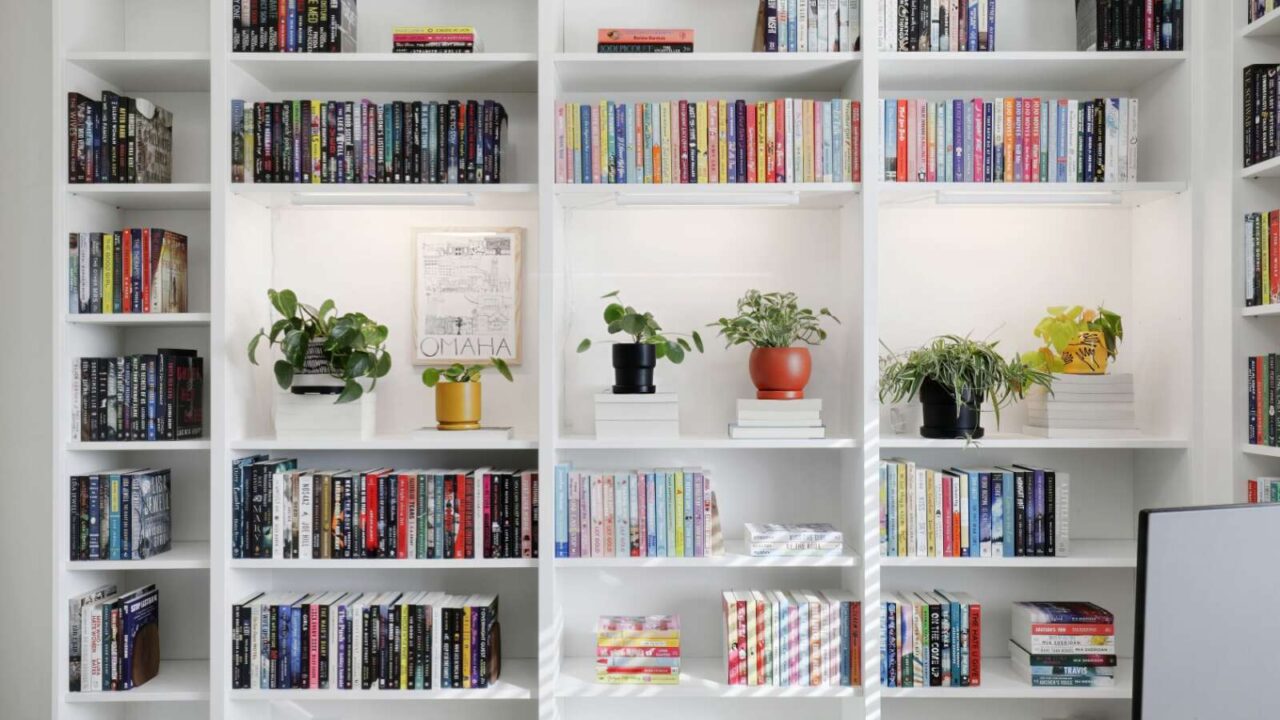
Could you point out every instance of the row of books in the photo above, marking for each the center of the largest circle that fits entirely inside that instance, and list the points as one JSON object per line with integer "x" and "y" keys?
{"x": 1011, "y": 140}
{"x": 931, "y": 639}
{"x": 1263, "y": 490}
{"x": 138, "y": 397}
{"x": 293, "y": 26}
{"x": 638, "y": 650}
{"x": 788, "y": 638}
{"x": 1264, "y": 398}
{"x": 636, "y": 513}
{"x": 644, "y": 40}
{"x": 709, "y": 141}
{"x": 114, "y": 639}
{"x": 404, "y": 141}
{"x": 135, "y": 270}
{"x": 281, "y": 512}
{"x": 1258, "y": 9}
{"x": 1128, "y": 25}
{"x": 938, "y": 25}
{"x": 792, "y": 540}
{"x": 361, "y": 640}
{"x": 447, "y": 39}
{"x": 992, "y": 512}
{"x": 120, "y": 514}
{"x": 118, "y": 140}
{"x": 1262, "y": 258}
{"x": 1063, "y": 644}
{"x": 1261, "y": 113}
{"x": 811, "y": 25}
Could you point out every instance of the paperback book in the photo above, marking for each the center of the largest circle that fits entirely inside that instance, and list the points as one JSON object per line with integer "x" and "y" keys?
{"x": 1104, "y": 25}
{"x": 808, "y": 26}
{"x": 118, "y": 139}
{"x": 636, "y": 40}
{"x": 443, "y": 39}
{"x": 157, "y": 396}
{"x": 793, "y": 540}
{"x": 119, "y": 639}
{"x": 135, "y": 270}
{"x": 931, "y": 639}
{"x": 792, "y": 638}
{"x": 120, "y": 514}
{"x": 1263, "y": 490}
{"x": 323, "y": 26}
{"x": 938, "y": 25}
{"x": 638, "y": 650}
{"x": 1063, "y": 644}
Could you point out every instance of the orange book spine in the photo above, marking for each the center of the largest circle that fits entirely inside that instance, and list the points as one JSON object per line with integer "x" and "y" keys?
{"x": 643, "y": 35}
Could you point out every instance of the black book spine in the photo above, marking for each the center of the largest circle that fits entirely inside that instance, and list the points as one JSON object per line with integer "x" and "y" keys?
{"x": 1050, "y": 519}
{"x": 237, "y": 646}
{"x": 304, "y": 677}
{"x": 237, "y": 24}
{"x": 131, "y": 140}
{"x": 1253, "y": 399}
{"x": 322, "y": 645}
{"x": 86, "y": 399}
{"x": 75, "y": 134}
{"x": 533, "y": 512}
{"x": 1019, "y": 513}
{"x": 904, "y": 26}
{"x": 273, "y": 645}
{"x": 384, "y": 647}
{"x": 335, "y": 22}
{"x": 473, "y": 137}
{"x": 349, "y": 124}
{"x": 367, "y": 649}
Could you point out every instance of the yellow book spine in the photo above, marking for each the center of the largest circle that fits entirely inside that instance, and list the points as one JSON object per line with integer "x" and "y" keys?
{"x": 677, "y": 518}
{"x": 703, "y": 157}
{"x": 466, "y": 647}
{"x": 316, "y": 146}
{"x": 902, "y": 515}
{"x": 602, "y": 133}
{"x": 605, "y": 678}
{"x": 432, "y": 30}
{"x": 666, "y": 142}
{"x": 770, "y": 140}
{"x": 762, "y": 119}
{"x": 571, "y": 140}
{"x": 108, "y": 274}
{"x": 723, "y": 148}
{"x": 1008, "y": 139}
{"x": 638, "y": 642}
{"x": 931, "y": 507}
{"x": 404, "y": 645}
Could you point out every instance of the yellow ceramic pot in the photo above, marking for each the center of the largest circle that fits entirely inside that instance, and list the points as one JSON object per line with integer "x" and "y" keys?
{"x": 1086, "y": 355}
{"x": 458, "y": 406}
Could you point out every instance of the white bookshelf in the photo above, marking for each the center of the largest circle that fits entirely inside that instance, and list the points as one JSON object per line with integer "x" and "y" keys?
{"x": 898, "y": 263}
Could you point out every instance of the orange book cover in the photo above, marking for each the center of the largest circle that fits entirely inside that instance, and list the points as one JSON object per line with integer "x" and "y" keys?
{"x": 643, "y": 35}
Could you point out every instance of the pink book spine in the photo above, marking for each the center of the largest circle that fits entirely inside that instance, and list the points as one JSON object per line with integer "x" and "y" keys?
{"x": 574, "y": 537}
{"x": 595, "y": 145}
{"x": 597, "y": 516}
{"x": 642, "y": 512}
{"x": 817, "y": 143}
{"x": 793, "y": 657}
{"x": 637, "y": 149}
{"x": 922, "y": 139}
{"x": 584, "y": 515}
{"x": 313, "y": 651}
{"x": 486, "y": 510}
{"x": 559, "y": 146}
{"x": 780, "y": 141}
{"x": 979, "y": 142}
{"x": 609, "y": 518}
{"x": 526, "y": 515}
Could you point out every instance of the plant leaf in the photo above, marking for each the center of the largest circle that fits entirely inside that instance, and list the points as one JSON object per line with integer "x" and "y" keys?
{"x": 431, "y": 376}
{"x": 613, "y": 312}
{"x": 284, "y": 374}
{"x": 253, "y": 347}
{"x": 501, "y": 366}
{"x": 675, "y": 353}
{"x": 697, "y": 340}
{"x": 584, "y": 346}
{"x": 288, "y": 303}
{"x": 383, "y": 365}
{"x": 350, "y": 392}
{"x": 610, "y": 294}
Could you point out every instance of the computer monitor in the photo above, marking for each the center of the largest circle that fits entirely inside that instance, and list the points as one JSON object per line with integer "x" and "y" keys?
{"x": 1207, "y": 636}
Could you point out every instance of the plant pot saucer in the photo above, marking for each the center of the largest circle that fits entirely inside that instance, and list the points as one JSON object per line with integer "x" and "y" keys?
{"x": 949, "y": 434}
{"x": 779, "y": 394}
{"x": 458, "y": 426}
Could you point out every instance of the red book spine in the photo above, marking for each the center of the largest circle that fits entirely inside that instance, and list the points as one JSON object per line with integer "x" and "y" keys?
{"x": 313, "y": 647}
{"x": 466, "y": 544}
{"x": 450, "y": 529}
{"x": 370, "y": 515}
{"x": 282, "y": 23}
{"x": 975, "y": 644}
{"x": 903, "y": 160}
{"x": 780, "y": 141}
{"x": 146, "y": 270}
{"x": 487, "y": 510}
{"x": 402, "y": 516}
{"x": 759, "y": 668}
{"x": 1149, "y": 26}
{"x": 1026, "y": 141}
{"x": 682, "y": 116}
{"x": 526, "y": 515}
{"x": 1253, "y": 491}
{"x": 1060, "y": 629}
{"x": 126, "y": 274}
{"x": 623, "y": 651}
{"x": 741, "y": 645}
{"x": 857, "y": 141}
{"x": 751, "y": 143}
{"x": 946, "y": 516}
{"x": 1035, "y": 140}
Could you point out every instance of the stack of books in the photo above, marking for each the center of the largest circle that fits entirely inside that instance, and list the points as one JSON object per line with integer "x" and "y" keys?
{"x": 1069, "y": 644}
{"x": 806, "y": 540}
{"x": 791, "y": 638}
{"x": 629, "y": 40}
{"x": 1083, "y": 406}
{"x": 807, "y": 26}
{"x": 434, "y": 39}
{"x": 638, "y": 650}
{"x": 322, "y": 27}
{"x": 931, "y": 639}
{"x": 656, "y": 415}
{"x": 778, "y": 420}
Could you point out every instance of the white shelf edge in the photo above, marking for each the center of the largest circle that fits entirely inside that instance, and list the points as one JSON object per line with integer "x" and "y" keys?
{"x": 1266, "y": 26}
{"x": 137, "y": 55}
{"x": 136, "y": 445}
{"x": 706, "y": 442}
{"x": 1014, "y": 441}
{"x": 1265, "y": 169}
{"x": 387, "y": 442}
{"x": 730, "y": 560}
{"x": 177, "y": 681}
{"x": 140, "y": 319}
{"x": 357, "y": 58}
{"x": 517, "y": 682}
{"x": 1071, "y": 194}
{"x": 373, "y": 564}
{"x": 185, "y": 555}
{"x": 1084, "y": 554}
{"x": 833, "y": 58}
{"x": 1261, "y": 310}
{"x": 699, "y": 677}
{"x": 1260, "y": 450}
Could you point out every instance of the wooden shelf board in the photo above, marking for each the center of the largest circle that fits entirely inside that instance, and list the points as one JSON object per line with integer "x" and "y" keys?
{"x": 1001, "y": 682}
{"x": 744, "y": 195}
{"x": 699, "y": 677}
{"x": 392, "y": 72}
{"x": 1031, "y": 442}
{"x": 703, "y": 442}
{"x": 181, "y": 556}
{"x": 451, "y": 441}
{"x": 1023, "y": 71}
{"x": 518, "y": 682}
{"x": 147, "y": 71}
{"x": 1084, "y": 554}
{"x": 1087, "y": 195}
{"x": 145, "y": 196}
{"x": 140, "y": 319}
{"x": 177, "y": 681}
{"x": 719, "y": 72}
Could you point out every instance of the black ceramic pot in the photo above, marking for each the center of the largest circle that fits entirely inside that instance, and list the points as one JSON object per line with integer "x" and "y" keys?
{"x": 944, "y": 418}
{"x": 633, "y": 365}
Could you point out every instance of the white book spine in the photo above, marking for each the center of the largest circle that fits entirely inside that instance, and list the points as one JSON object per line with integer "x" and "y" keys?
{"x": 255, "y": 645}
{"x": 305, "y": 487}
{"x": 788, "y": 106}
{"x": 1073, "y": 117}
{"x": 1062, "y": 514}
{"x": 357, "y": 646}
{"x": 1112, "y": 149}
{"x": 908, "y": 504}
{"x": 802, "y": 26}
{"x": 277, "y": 515}
{"x": 91, "y": 655}
{"x": 1122, "y": 149}
{"x": 1131, "y": 130}
{"x": 963, "y": 481}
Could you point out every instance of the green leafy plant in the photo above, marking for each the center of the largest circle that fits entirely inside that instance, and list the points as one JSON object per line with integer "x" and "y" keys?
{"x": 459, "y": 373}
{"x": 642, "y": 328}
{"x": 773, "y": 320}
{"x": 1063, "y": 324}
{"x": 962, "y": 366}
{"x": 353, "y": 346}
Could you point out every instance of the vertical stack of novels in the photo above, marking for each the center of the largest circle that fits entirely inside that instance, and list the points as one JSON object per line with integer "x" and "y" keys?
{"x": 1011, "y": 140}
{"x": 324, "y": 26}
{"x": 114, "y": 639}
{"x": 778, "y": 419}
{"x": 785, "y": 540}
{"x": 136, "y": 270}
{"x": 792, "y": 638}
{"x": 1083, "y": 406}
{"x": 638, "y": 650}
{"x": 118, "y": 140}
{"x": 1063, "y": 644}
{"x": 787, "y": 140}
{"x": 808, "y": 26}
{"x": 1016, "y": 511}
{"x": 120, "y": 514}
{"x": 359, "y": 641}
{"x": 1263, "y": 490}
{"x": 931, "y": 639}
{"x": 1104, "y": 25}
{"x": 281, "y": 512}
{"x": 1258, "y": 9}
{"x": 638, "y": 513}
{"x": 623, "y": 416}
{"x": 1260, "y": 98}
{"x": 938, "y": 25}
{"x": 643, "y": 40}
{"x": 138, "y": 397}
{"x": 360, "y": 141}
{"x": 1262, "y": 258}
{"x": 1264, "y": 396}
{"x": 447, "y": 39}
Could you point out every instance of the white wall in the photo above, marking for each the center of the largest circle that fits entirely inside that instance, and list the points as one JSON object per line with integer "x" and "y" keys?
{"x": 26, "y": 562}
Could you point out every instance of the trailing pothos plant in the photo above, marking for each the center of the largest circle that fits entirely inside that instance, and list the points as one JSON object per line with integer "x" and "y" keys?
{"x": 459, "y": 373}
{"x": 352, "y": 345}
{"x": 773, "y": 320}
{"x": 962, "y": 366}
{"x": 642, "y": 328}
{"x": 1063, "y": 324}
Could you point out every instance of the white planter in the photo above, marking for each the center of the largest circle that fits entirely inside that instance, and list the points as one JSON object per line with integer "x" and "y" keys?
{"x": 300, "y": 417}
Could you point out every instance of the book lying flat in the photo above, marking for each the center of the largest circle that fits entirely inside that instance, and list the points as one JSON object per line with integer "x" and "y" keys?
{"x": 738, "y": 432}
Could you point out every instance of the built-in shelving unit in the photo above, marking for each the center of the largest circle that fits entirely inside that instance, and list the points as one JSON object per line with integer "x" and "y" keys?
{"x": 898, "y": 263}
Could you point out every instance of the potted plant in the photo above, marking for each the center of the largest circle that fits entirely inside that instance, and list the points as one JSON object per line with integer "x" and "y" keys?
{"x": 634, "y": 361}
{"x": 458, "y": 398}
{"x": 774, "y": 324}
{"x": 952, "y": 376}
{"x": 1077, "y": 341}
{"x": 323, "y": 355}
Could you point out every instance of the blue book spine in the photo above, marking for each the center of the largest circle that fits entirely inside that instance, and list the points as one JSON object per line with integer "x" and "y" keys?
{"x": 826, "y": 142}
{"x": 339, "y": 682}
{"x": 793, "y": 25}
{"x": 997, "y": 513}
{"x": 891, "y": 140}
{"x": 956, "y": 630}
{"x": 984, "y": 515}
{"x": 585, "y": 143}
{"x": 609, "y": 143}
{"x": 113, "y": 514}
{"x": 1008, "y": 496}
{"x": 651, "y": 520}
{"x": 891, "y": 625}
{"x": 837, "y": 142}
{"x": 688, "y": 513}
{"x": 1061, "y": 140}
{"x": 295, "y": 644}
{"x": 660, "y": 506}
{"x": 975, "y": 525}
{"x": 562, "y": 511}
{"x": 1041, "y": 543}
{"x": 972, "y": 24}
{"x": 844, "y": 644}
{"x": 126, "y": 519}
{"x": 151, "y": 398}
{"x": 1029, "y": 512}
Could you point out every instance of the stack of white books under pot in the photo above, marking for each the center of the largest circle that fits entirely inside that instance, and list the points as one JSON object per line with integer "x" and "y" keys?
{"x": 778, "y": 420}
{"x": 1083, "y": 406}
{"x": 621, "y": 417}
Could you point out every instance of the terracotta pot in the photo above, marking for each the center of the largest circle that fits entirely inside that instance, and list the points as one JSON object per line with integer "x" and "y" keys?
{"x": 458, "y": 406}
{"x": 780, "y": 373}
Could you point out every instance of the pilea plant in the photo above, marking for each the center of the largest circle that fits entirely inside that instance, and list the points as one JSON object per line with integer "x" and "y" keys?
{"x": 460, "y": 373}
{"x": 351, "y": 347}
{"x": 642, "y": 328}
{"x": 773, "y": 320}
